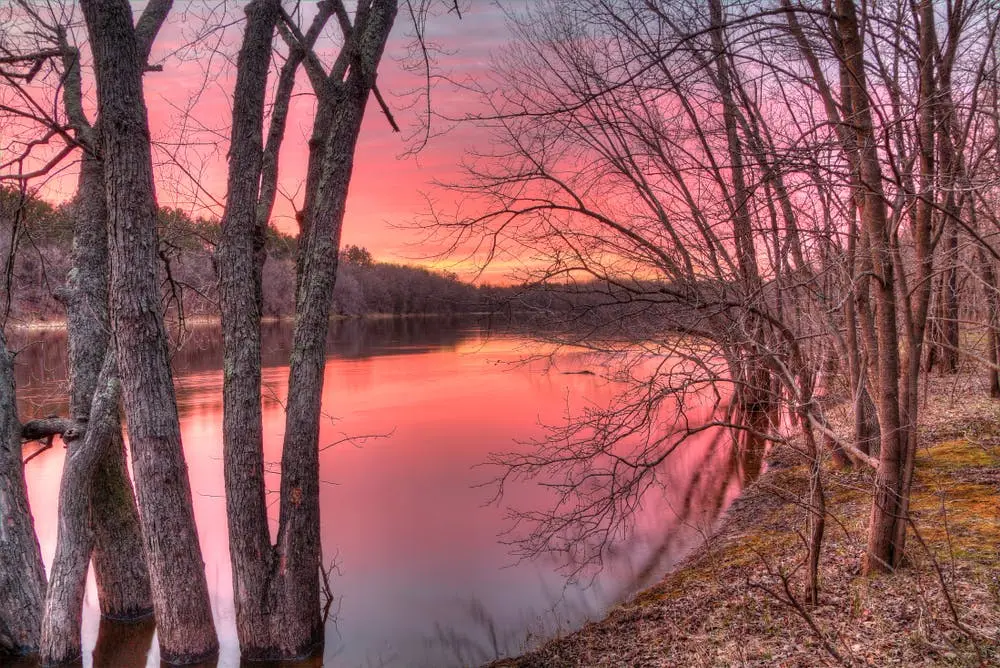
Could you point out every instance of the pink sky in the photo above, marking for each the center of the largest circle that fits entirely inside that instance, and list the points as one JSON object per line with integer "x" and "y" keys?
{"x": 189, "y": 104}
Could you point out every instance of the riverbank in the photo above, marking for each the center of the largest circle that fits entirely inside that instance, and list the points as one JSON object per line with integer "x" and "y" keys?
{"x": 728, "y": 603}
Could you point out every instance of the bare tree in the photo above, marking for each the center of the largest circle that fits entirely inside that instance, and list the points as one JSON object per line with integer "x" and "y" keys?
{"x": 185, "y": 628}
{"x": 771, "y": 180}
{"x": 95, "y": 474}
{"x": 112, "y": 530}
{"x": 278, "y": 605}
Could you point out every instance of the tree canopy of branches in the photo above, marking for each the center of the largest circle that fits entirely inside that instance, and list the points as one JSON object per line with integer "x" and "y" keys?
{"x": 764, "y": 184}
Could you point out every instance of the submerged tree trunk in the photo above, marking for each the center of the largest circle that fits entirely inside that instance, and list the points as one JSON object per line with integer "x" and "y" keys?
{"x": 277, "y": 587}
{"x": 298, "y": 542}
{"x": 177, "y": 578}
{"x": 22, "y": 576}
{"x": 64, "y": 602}
{"x": 239, "y": 260}
{"x": 119, "y": 562}
{"x": 95, "y": 492}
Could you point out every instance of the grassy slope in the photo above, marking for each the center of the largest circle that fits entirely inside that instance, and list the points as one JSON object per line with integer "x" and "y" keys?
{"x": 714, "y": 610}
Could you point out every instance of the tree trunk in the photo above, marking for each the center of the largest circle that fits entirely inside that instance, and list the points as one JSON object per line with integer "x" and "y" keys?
{"x": 119, "y": 562}
{"x": 277, "y": 588}
{"x": 817, "y": 507}
{"x": 177, "y": 577}
{"x": 298, "y": 542}
{"x": 123, "y": 645}
{"x": 239, "y": 260}
{"x": 22, "y": 576}
{"x": 881, "y": 550}
{"x": 992, "y": 294}
{"x": 74, "y": 542}
{"x": 951, "y": 342}
{"x": 919, "y": 307}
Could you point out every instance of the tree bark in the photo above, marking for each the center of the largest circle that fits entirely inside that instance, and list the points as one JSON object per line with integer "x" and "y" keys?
{"x": 119, "y": 561}
{"x": 22, "y": 576}
{"x": 239, "y": 259}
{"x": 74, "y": 542}
{"x": 298, "y": 542}
{"x": 177, "y": 578}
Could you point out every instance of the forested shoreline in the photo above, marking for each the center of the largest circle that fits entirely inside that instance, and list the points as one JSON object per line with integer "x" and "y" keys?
{"x": 36, "y": 240}
{"x": 733, "y": 600}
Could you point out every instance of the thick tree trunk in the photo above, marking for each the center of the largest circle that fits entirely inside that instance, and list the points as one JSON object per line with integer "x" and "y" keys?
{"x": 239, "y": 260}
{"x": 179, "y": 590}
{"x": 120, "y": 570}
{"x": 68, "y": 577}
{"x": 119, "y": 561}
{"x": 96, "y": 498}
{"x": 22, "y": 576}
{"x": 298, "y": 542}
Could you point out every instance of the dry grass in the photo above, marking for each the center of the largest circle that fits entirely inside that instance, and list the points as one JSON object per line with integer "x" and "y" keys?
{"x": 726, "y": 606}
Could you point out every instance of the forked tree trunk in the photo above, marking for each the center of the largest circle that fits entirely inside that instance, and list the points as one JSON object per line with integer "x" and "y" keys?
{"x": 97, "y": 513}
{"x": 177, "y": 578}
{"x": 298, "y": 542}
{"x": 22, "y": 576}
{"x": 119, "y": 562}
{"x": 277, "y": 587}
{"x": 113, "y": 539}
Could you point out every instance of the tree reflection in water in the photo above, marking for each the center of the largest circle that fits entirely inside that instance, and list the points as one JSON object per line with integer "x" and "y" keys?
{"x": 651, "y": 550}
{"x": 423, "y": 581}
{"x": 124, "y": 645}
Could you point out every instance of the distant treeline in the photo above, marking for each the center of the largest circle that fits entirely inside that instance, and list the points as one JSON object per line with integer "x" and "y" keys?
{"x": 35, "y": 255}
{"x": 36, "y": 240}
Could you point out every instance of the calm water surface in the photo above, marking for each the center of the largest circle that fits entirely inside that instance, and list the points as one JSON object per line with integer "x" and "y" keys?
{"x": 423, "y": 576}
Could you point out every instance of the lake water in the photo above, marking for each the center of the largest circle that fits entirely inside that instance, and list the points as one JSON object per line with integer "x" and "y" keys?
{"x": 424, "y": 576}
